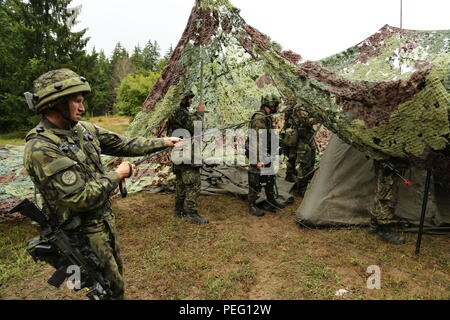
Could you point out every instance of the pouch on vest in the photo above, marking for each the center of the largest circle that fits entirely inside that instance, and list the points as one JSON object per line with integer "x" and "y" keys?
{"x": 290, "y": 137}
{"x": 65, "y": 176}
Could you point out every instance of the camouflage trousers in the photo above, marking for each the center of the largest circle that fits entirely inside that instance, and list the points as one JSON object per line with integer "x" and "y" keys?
{"x": 386, "y": 195}
{"x": 102, "y": 238}
{"x": 301, "y": 160}
{"x": 188, "y": 185}
{"x": 255, "y": 183}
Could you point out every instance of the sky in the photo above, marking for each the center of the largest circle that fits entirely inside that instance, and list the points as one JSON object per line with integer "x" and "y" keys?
{"x": 313, "y": 28}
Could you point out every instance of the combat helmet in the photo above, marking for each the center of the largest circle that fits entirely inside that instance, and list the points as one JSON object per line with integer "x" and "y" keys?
{"x": 270, "y": 100}
{"x": 188, "y": 94}
{"x": 54, "y": 85}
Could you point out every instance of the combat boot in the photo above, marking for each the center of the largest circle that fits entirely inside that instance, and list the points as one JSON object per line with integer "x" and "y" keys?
{"x": 373, "y": 226}
{"x": 300, "y": 188}
{"x": 179, "y": 209}
{"x": 273, "y": 205}
{"x": 385, "y": 234}
{"x": 194, "y": 217}
{"x": 254, "y": 210}
{"x": 290, "y": 177}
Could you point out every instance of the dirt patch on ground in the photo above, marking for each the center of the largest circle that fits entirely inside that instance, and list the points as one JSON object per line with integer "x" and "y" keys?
{"x": 112, "y": 121}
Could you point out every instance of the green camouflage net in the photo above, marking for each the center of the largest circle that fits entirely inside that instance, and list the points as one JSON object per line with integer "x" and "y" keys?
{"x": 210, "y": 61}
{"x": 388, "y": 96}
{"x": 15, "y": 184}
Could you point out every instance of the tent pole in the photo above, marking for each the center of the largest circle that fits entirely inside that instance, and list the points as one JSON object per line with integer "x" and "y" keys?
{"x": 424, "y": 209}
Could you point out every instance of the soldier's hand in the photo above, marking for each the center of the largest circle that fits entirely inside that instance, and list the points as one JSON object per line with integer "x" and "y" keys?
{"x": 260, "y": 165}
{"x": 125, "y": 170}
{"x": 173, "y": 142}
{"x": 201, "y": 107}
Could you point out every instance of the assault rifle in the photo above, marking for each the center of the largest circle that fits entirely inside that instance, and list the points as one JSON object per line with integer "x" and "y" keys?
{"x": 57, "y": 249}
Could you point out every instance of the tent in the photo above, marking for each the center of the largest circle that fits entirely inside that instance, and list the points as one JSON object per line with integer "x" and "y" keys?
{"x": 342, "y": 190}
{"x": 387, "y": 96}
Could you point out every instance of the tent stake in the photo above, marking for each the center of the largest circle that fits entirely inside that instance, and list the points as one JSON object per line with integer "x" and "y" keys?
{"x": 424, "y": 209}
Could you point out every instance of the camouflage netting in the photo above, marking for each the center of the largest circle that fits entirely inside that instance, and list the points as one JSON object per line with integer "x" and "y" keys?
{"x": 15, "y": 184}
{"x": 388, "y": 96}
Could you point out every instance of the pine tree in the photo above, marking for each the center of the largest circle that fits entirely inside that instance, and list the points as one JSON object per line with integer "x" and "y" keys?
{"x": 151, "y": 55}
{"x": 36, "y": 37}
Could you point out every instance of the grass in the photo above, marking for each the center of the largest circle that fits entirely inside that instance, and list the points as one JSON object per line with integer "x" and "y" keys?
{"x": 238, "y": 256}
{"x": 117, "y": 124}
{"x": 235, "y": 256}
{"x": 13, "y": 138}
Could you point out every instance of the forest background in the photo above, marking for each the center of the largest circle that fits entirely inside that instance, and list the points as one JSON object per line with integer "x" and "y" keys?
{"x": 37, "y": 36}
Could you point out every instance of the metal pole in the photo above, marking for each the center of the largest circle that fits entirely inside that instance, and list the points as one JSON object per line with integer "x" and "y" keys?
{"x": 401, "y": 14}
{"x": 424, "y": 210}
{"x": 401, "y": 27}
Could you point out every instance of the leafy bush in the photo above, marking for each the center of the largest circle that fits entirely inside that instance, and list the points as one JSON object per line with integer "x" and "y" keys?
{"x": 133, "y": 91}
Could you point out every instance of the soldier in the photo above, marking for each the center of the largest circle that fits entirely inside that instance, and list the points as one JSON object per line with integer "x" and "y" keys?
{"x": 261, "y": 121}
{"x": 298, "y": 145}
{"x": 386, "y": 198}
{"x": 62, "y": 157}
{"x": 187, "y": 175}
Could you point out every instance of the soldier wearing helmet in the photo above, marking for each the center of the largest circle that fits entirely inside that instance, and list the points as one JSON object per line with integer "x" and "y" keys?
{"x": 297, "y": 141}
{"x": 261, "y": 120}
{"x": 187, "y": 175}
{"x": 62, "y": 157}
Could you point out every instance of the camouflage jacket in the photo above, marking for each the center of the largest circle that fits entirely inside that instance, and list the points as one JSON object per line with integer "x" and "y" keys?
{"x": 183, "y": 119}
{"x": 298, "y": 128}
{"x": 66, "y": 168}
{"x": 261, "y": 121}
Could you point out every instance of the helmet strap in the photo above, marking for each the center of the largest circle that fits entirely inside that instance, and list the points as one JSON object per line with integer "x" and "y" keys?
{"x": 65, "y": 114}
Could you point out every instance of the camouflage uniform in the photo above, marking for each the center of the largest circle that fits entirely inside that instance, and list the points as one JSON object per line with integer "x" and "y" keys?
{"x": 255, "y": 179}
{"x": 65, "y": 166}
{"x": 386, "y": 195}
{"x": 188, "y": 180}
{"x": 297, "y": 140}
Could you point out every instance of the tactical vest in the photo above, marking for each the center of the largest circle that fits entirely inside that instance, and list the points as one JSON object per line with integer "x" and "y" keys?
{"x": 268, "y": 123}
{"x": 84, "y": 151}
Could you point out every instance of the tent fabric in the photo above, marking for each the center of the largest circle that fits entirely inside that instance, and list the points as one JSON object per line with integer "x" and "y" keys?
{"x": 387, "y": 96}
{"x": 341, "y": 192}
{"x": 233, "y": 180}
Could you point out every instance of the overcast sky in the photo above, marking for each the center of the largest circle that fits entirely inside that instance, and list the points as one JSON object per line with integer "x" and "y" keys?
{"x": 313, "y": 28}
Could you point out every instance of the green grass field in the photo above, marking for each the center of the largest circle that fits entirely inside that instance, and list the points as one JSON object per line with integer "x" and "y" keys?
{"x": 238, "y": 256}
{"x": 117, "y": 124}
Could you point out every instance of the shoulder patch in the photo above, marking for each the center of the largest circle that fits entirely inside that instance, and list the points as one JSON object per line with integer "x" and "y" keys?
{"x": 69, "y": 178}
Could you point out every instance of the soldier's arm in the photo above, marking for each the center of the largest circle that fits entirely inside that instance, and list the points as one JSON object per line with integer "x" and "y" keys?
{"x": 66, "y": 183}
{"x": 199, "y": 114}
{"x": 116, "y": 145}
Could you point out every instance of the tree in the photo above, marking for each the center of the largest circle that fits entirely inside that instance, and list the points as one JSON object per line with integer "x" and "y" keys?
{"x": 122, "y": 68}
{"x": 100, "y": 100}
{"x": 35, "y": 37}
{"x": 133, "y": 91}
{"x": 163, "y": 62}
{"x": 118, "y": 54}
{"x": 137, "y": 58}
{"x": 151, "y": 55}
